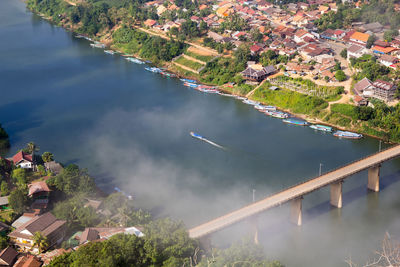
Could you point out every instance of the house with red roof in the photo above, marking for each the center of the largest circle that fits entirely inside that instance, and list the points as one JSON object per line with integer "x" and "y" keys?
{"x": 23, "y": 160}
{"x": 256, "y": 49}
{"x": 301, "y": 34}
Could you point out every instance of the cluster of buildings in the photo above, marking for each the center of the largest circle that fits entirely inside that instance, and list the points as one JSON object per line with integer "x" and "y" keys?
{"x": 23, "y": 249}
{"x": 289, "y": 31}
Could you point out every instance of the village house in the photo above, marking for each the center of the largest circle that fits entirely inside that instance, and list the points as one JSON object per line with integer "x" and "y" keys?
{"x": 257, "y": 72}
{"x": 387, "y": 60}
{"x": 384, "y": 90}
{"x": 8, "y": 256}
{"x": 374, "y": 27}
{"x": 47, "y": 257}
{"x": 215, "y": 36}
{"x": 360, "y": 101}
{"x": 28, "y": 261}
{"x": 359, "y": 38}
{"x": 356, "y": 51}
{"x": 301, "y": 34}
{"x": 363, "y": 88}
{"x": 4, "y": 203}
{"x": 39, "y": 193}
{"x": 102, "y": 233}
{"x": 46, "y": 224}
{"x": 315, "y": 52}
{"x": 150, "y": 23}
{"x": 23, "y": 160}
{"x": 53, "y": 167}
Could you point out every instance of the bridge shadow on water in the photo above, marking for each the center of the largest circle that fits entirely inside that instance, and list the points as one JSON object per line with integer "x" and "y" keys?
{"x": 282, "y": 225}
{"x": 350, "y": 196}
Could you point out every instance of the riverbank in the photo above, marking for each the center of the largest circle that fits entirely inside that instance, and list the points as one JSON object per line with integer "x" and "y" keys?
{"x": 145, "y": 45}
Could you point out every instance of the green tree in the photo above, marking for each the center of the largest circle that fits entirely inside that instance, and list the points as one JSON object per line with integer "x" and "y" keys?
{"x": 244, "y": 253}
{"x": 3, "y": 242}
{"x": 371, "y": 40}
{"x": 343, "y": 53}
{"x": 47, "y": 157}
{"x": 75, "y": 213}
{"x": 73, "y": 180}
{"x": 41, "y": 170}
{"x": 19, "y": 176}
{"x": 4, "y": 188}
{"x": 39, "y": 241}
{"x": 340, "y": 75}
{"x": 31, "y": 148}
{"x": 17, "y": 200}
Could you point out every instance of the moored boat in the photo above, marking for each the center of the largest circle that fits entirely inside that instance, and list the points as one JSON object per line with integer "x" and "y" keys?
{"x": 320, "y": 127}
{"x": 349, "y": 135}
{"x": 264, "y": 108}
{"x": 153, "y": 69}
{"x": 192, "y": 85}
{"x": 296, "y": 121}
{"x": 134, "y": 60}
{"x": 251, "y": 102}
{"x": 167, "y": 74}
{"x": 110, "y": 52}
{"x": 98, "y": 45}
{"x": 240, "y": 98}
{"x": 188, "y": 80}
{"x": 277, "y": 114}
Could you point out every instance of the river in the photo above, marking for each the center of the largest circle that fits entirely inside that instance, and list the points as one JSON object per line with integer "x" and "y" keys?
{"x": 130, "y": 128}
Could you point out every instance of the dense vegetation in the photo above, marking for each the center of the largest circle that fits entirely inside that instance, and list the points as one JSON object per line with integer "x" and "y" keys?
{"x": 369, "y": 68}
{"x": 381, "y": 11}
{"x": 244, "y": 253}
{"x": 4, "y": 141}
{"x": 166, "y": 243}
{"x": 293, "y": 101}
{"x": 150, "y": 47}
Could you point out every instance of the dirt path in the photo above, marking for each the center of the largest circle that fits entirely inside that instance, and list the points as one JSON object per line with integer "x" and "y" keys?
{"x": 252, "y": 91}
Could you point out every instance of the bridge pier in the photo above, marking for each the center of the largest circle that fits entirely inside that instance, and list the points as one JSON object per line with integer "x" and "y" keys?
{"x": 373, "y": 178}
{"x": 336, "y": 194}
{"x": 254, "y": 222}
{"x": 295, "y": 211}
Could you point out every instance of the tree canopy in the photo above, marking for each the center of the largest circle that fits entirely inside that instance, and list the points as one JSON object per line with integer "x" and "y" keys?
{"x": 73, "y": 180}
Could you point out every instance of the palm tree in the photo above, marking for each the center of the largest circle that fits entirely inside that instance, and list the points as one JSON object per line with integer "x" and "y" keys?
{"x": 32, "y": 147}
{"x": 39, "y": 241}
{"x": 47, "y": 157}
{"x": 124, "y": 214}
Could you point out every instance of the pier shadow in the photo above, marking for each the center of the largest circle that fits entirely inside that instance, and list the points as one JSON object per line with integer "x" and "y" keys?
{"x": 350, "y": 196}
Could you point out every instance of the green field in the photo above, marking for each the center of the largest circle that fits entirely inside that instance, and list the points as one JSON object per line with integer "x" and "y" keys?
{"x": 188, "y": 63}
{"x": 205, "y": 59}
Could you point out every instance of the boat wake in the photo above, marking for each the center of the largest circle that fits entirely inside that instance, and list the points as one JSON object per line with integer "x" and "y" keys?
{"x": 206, "y": 140}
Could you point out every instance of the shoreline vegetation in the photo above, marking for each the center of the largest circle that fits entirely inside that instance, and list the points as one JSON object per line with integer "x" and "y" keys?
{"x": 380, "y": 122}
{"x": 75, "y": 199}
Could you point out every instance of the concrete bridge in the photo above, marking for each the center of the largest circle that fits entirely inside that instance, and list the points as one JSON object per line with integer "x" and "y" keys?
{"x": 295, "y": 193}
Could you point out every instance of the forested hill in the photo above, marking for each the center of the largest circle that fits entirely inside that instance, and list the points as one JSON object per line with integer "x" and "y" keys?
{"x": 382, "y": 11}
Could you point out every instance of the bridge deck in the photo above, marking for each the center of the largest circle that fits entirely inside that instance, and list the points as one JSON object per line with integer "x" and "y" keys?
{"x": 293, "y": 192}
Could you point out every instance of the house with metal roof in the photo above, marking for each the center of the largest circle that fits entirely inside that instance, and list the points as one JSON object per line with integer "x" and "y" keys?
{"x": 46, "y": 224}
{"x": 257, "y": 73}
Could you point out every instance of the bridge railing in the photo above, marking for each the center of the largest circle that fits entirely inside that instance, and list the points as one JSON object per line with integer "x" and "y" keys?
{"x": 300, "y": 183}
{"x": 330, "y": 171}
